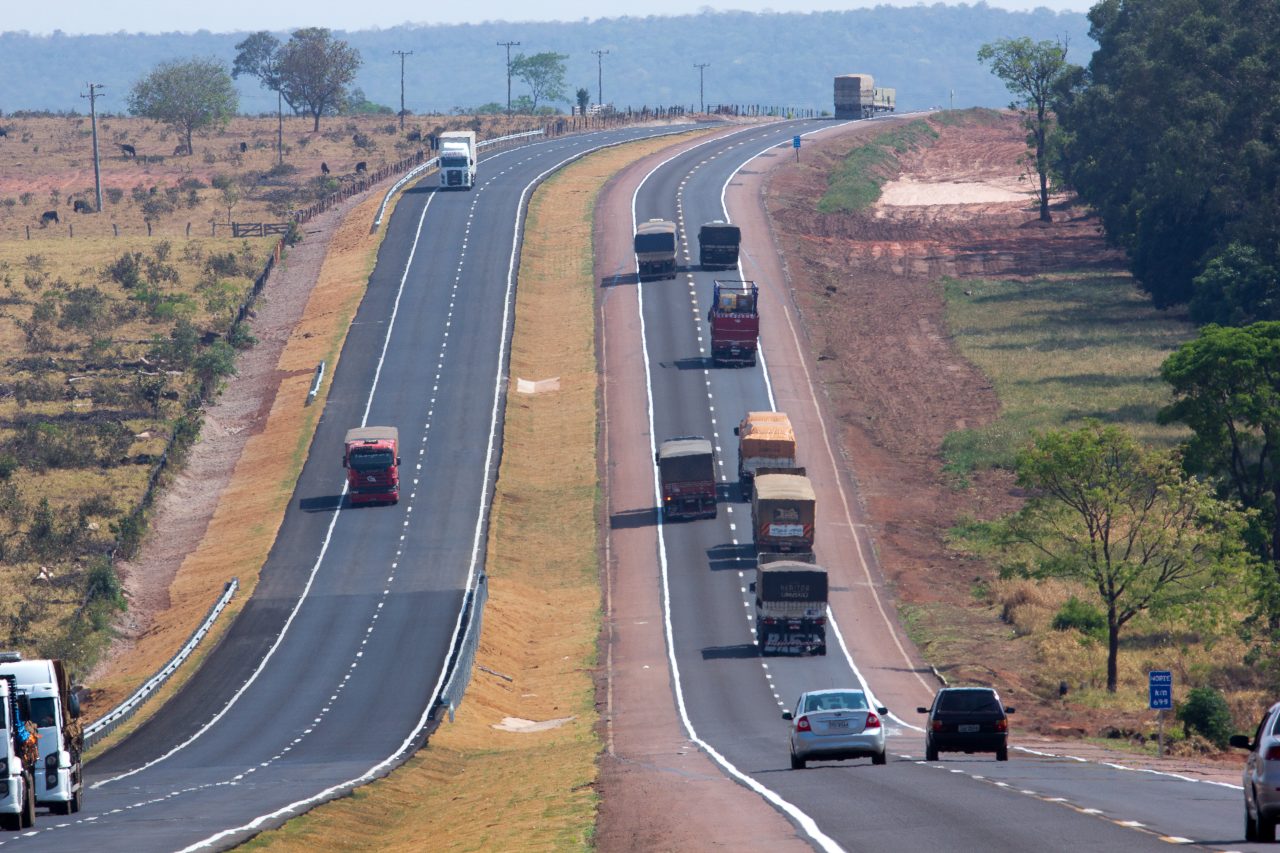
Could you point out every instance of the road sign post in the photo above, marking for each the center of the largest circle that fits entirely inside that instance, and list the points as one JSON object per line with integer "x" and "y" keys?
{"x": 795, "y": 143}
{"x": 1160, "y": 698}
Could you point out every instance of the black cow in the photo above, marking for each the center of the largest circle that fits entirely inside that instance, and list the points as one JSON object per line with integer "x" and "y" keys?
{"x": 324, "y": 167}
{"x": 48, "y": 216}
{"x": 82, "y": 206}
{"x": 180, "y": 151}
{"x": 361, "y": 167}
{"x": 3, "y": 133}
{"x": 128, "y": 151}
{"x": 244, "y": 146}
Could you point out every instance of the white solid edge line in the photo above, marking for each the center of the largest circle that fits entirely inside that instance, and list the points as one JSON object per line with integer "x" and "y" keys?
{"x": 374, "y": 771}
{"x": 806, "y": 823}
{"x": 324, "y": 547}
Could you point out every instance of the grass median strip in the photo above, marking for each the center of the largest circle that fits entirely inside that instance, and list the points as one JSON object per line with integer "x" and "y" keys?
{"x": 494, "y": 780}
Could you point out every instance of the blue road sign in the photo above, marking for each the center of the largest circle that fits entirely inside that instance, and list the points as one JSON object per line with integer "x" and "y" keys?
{"x": 795, "y": 142}
{"x": 1160, "y": 690}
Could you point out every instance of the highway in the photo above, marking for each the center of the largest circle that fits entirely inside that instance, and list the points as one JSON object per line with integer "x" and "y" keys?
{"x": 730, "y": 698}
{"x": 327, "y": 677}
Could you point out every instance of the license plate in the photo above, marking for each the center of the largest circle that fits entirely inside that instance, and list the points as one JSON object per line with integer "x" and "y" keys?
{"x": 969, "y": 727}
{"x": 837, "y": 724}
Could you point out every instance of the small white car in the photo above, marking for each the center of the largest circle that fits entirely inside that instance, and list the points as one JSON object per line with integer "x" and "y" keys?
{"x": 830, "y": 725}
{"x": 1262, "y": 777}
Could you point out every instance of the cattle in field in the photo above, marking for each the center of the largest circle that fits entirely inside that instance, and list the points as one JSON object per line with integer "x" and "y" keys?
{"x": 48, "y": 216}
{"x": 128, "y": 151}
{"x": 361, "y": 167}
{"x": 82, "y": 206}
{"x": 244, "y": 146}
{"x": 180, "y": 151}
{"x": 324, "y": 167}
{"x": 3, "y": 133}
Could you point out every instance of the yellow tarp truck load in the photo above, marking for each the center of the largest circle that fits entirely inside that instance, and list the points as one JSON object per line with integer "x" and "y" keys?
{"x": 765, "y": 440}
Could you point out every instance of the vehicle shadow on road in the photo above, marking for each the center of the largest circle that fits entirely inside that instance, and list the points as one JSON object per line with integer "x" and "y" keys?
{"x": 619, "y": 279}
{"x": 729, "y": 557}
{"x": 738, "y": 652}
{"x": 629, "y": 519}
{"x": 327, "y": 503}
{"x": 697, "y": 363}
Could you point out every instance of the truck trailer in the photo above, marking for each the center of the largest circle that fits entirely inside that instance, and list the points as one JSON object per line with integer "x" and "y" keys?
{"x": 783, "y": 508}
{"x": 791, "y": 608}
{"x": 655, "y": 248}
{"x": 458, "y": 159}
{"x": 765, "y": 440}
{"x": 19, "y": 757}
{"x": 371, "y": 456}
{"x": 856, "y": 97}
{"x": 55, "y": 711}
{"x": 735, "y": 322}
{"x": 687, "y": 475}
{"x": 718, "y": 245}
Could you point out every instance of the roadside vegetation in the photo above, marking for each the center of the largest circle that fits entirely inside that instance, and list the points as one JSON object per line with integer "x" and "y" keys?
{"x": 856, "y": 184}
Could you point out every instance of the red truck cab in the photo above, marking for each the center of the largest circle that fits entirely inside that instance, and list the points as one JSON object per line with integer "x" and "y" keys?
{"x": 735, "y": 322}
{"x": 372, "y": 460}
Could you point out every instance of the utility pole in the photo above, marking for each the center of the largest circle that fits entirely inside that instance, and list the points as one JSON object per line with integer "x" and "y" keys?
{"x": 953, "y": 99}
{"x": 279, "y": 127}
{"x": 402, "y": 54}
{"x": 702, "y": 102}
{"x": 600, "y": 76}
{"x": 508, "y": 45}
{"x": 93, "y": 117}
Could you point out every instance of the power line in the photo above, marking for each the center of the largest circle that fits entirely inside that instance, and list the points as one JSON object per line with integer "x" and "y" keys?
{"x": 508, "y": 45}
{"x": 402, "y": 54}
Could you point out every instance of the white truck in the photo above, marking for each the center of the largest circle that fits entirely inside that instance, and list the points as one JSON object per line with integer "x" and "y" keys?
{"x": 55, "y": 710}
{"x": 458, "y": 159}
{"x": 18, "y": 756}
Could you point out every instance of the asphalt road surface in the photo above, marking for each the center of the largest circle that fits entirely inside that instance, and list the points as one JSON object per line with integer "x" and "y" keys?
{"x": 731, "y": 698}
{"x": 328, "y": 675}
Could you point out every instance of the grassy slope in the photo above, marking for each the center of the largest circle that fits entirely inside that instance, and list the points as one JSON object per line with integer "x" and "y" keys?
{"x": 476, "y": 788}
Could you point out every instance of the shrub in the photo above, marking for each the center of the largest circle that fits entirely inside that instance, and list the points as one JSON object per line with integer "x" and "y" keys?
{"x": 1083, "y": 617}
{"x": 220, "y": 181}
{"x": 126, "y": 270}
{"x": 114, "y": 195}
{"x": 1206, "y": 712}
{"x": 282, "y": 170}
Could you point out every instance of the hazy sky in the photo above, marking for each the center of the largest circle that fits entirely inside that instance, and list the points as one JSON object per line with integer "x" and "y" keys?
{"x": 151, "y": 16}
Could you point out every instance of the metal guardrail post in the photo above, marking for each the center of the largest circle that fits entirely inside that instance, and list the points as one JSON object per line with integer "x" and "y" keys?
{"x": 315, "y": 384}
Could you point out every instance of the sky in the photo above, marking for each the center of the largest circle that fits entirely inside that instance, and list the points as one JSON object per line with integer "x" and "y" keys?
{"x": 75, "y": 17}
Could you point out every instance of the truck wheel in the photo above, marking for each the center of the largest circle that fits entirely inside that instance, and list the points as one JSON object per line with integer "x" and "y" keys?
{"x": 821, "y": 650}
{"x": 10, "y": 822}
{"x": 60, "y": 808}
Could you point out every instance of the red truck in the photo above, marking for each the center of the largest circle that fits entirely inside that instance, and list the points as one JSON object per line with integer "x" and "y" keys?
{"x": 372, "y": 460}
{"x": 687, "y": 472}
{"x": 735, "y": 322}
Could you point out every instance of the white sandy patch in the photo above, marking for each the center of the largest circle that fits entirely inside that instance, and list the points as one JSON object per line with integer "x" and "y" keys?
{"x": 909, "y": 193}
{"x": 516, "y": 724}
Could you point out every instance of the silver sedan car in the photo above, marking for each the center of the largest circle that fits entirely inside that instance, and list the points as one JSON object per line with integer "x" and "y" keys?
{"x": 1262, "y": 777}
{"x": 828, "y": 725}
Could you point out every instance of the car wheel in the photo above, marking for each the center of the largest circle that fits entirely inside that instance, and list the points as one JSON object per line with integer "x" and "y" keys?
{"x": 1002, "y": 753}
{"x": 1250, "y": 828}
{"x": 1266, "y": 829}
{"x": 880, "y": 758}
{"x": 797, "y": 763}
{"x": 930, "y": 752}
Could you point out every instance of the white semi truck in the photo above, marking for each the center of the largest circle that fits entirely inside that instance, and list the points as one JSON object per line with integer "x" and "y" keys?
{"x": 18, "y": 753}
{"x": 55, "y": 710}
{"x": 458, "y": 159}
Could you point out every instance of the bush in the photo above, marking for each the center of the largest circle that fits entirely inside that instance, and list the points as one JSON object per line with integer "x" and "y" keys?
{"x": 1083, "y": 617}
{"x": 126, "y": 271}
{"x": 114, "y": 195}
{"x": 1206, "y": 712}
{"x": 221, "y": 181}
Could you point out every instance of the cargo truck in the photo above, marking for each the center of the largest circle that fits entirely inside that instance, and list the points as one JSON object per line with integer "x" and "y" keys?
{"x": 783, "y": 508}
{"x": 765, "y": 440}
{"x": 856, "y": 97}
{"x": 655, "y": 247}
{"x": 735, "y": 322}
{"x": 19, "y": 755}
{"x": 458, "y": 159}
{"x": 718, "y": 245}
{"x": 791, "y": 608}
{"x": 55, "y": 711}
{"x": 372, "y": 460}
{"x": 687, "y": 475}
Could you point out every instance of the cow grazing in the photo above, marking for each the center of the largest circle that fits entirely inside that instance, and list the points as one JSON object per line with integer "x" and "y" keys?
{"x": 244, "y": 146}
{"x": 361, "y": 167}
{"x": 180, "y": 151}
{"x": 324, "y": 167}
{"x": 3, "y": 133}
{"x": 48, "y": 216}
{"x": 128, "y": 151}
{"x": 82, "y": 206}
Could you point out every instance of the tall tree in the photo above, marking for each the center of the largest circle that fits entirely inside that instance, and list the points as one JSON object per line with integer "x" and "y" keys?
{"x": 189, "y": 95}
{"x": 314, "y": 71}
{"x": 1035, "y": 72}
{"x": 259, "y": 56}
{"x": 584, "y": 100}
{"x": 543, "y": 73}
{"x": 1126, "y": 521}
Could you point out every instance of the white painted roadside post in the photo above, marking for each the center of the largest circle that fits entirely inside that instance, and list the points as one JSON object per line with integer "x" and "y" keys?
{"x": 1160, "y": 698}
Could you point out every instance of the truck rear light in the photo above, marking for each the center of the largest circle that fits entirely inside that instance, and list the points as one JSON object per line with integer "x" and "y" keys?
{"x": 873, "y": 722}
{"x": 821, "y": 620}
{"x": 802, "y": 724}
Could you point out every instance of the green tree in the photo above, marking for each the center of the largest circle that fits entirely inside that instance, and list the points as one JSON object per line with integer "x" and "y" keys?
{"x": 1125, "y": 520}
{"x": 584, "y": 101}
{"x": 259, "y": 56}
{"x": 1035, "y": 73}
{"x": 1236, "y": 288}
{"x": 543, "y": 73}
{"x": 314, "y": 71}
{"x": 191, "y": 95}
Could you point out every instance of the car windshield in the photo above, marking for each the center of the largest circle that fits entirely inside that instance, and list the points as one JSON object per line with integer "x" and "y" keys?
{"x": 850, "y": 700}
{"x": 44, "y": 711}
{"x": 371, "y": 460}
{"x": 968, "y": 701}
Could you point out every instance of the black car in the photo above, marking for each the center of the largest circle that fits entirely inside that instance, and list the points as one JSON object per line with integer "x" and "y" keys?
{"x": 969, "y": 720}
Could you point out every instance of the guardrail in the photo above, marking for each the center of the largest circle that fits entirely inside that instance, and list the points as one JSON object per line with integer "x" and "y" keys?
{"x": 109, "y": 722}
{"x": 463, "y": 656}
